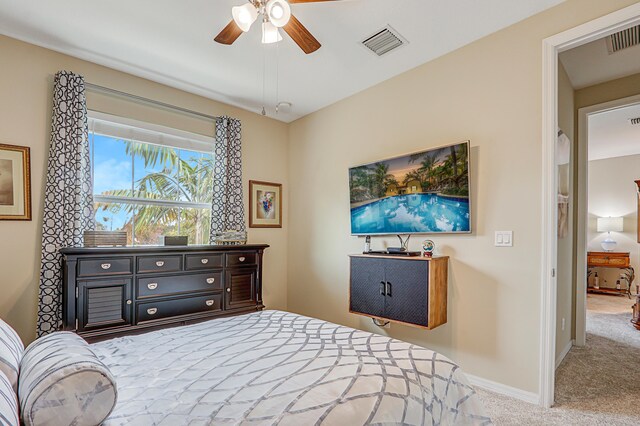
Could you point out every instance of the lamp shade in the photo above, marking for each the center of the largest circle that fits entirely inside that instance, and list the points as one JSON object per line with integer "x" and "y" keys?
{"x": 279, "y": 12}
{"x": 270, "y": 33}
{"x": 244, "y": 16}
{"x": 610, "y": 224}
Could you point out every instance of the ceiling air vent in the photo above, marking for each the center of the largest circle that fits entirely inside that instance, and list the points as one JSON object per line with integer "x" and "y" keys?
{"x": 384, "y": 41}
{"x": 623, "y": 39}
{"x": 634, "y": 121}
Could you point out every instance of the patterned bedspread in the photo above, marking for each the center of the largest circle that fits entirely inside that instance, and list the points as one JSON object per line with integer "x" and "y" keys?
{"x": 275, "y": 367}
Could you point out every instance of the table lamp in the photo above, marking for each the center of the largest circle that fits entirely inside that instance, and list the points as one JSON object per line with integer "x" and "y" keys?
{"x": 609, "y": 224}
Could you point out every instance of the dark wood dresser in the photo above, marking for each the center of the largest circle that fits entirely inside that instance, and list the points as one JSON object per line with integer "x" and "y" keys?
{"x": 109, "y": 292}
{"x": 407, "y": 290}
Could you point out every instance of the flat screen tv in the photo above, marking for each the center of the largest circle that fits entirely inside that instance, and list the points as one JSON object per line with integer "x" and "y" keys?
{"x": 421, "y": 193}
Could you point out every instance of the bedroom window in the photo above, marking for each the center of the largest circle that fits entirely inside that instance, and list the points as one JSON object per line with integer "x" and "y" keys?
{"x": 150, "y": 180}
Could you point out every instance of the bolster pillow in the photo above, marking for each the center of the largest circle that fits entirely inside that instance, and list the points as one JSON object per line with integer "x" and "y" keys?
{"x": 62, "y": 382}
{"x": 8, "y": 403}
{"x": 11, "y": 349}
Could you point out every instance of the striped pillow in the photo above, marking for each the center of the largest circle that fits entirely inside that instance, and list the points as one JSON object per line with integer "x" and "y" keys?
{"x": 62, "y": 382}
{"x": 11, "y": 349}
{"x": 8, "y": 403}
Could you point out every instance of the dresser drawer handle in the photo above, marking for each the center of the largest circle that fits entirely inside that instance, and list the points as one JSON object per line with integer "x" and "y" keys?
{"x": 228, "y": 289}
{"x": 204, "y": 261}
{"x": 209, "y": 302}
{"x": 152, "y": 286}
{"x": 211, "y": 280}
{"x": 128, "y": 302}
{"x": 241, "y": 259}
{"x": 152, "y": 311}
{"x": 105, "y": 265}
{"x": 160, "y": 263}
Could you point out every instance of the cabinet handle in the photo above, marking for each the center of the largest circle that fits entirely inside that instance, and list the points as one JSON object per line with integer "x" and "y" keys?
{"x": 128, "y": 302}
{"x": 105, "y": 265}
{"x": 152, "y": 286}
{"x": 211, "y": 280}
{"x": 160, "y": 263}
{"x": 382, "y": 288}
{"x": 209, "y": 302}
{"x": 204, "y": 261}
{"x": 228, "y": 289}
{"x": 152, "y": 311}
{"x": 388, "y": 287}
{"x": 241, "y": 259}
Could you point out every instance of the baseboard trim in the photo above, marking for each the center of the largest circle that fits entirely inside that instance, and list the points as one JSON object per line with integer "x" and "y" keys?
{"x": 526, "y": 396}
{"x": 564, "y": 352}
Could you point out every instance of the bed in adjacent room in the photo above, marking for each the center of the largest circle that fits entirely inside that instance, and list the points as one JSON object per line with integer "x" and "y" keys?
{"x": 274, "y": 367}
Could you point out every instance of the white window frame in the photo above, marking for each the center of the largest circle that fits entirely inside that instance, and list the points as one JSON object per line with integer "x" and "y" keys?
{"x": 140, "y": 131}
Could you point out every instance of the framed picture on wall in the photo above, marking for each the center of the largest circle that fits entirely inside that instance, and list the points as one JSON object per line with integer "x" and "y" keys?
{"x": 265, "y": 204}
{"x": 15, "y": 183}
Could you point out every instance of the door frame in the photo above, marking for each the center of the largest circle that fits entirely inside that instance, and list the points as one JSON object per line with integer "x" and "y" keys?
{"x": 551, "y": 47}
{"x": 582, "y": 205}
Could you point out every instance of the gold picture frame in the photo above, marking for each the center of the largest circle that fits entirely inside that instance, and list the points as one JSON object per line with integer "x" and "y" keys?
{"x": 265, "y": 204}
{"x": 15, "y": 182}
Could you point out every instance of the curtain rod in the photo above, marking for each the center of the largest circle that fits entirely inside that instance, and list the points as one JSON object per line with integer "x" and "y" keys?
{"x": 97, "y": 88}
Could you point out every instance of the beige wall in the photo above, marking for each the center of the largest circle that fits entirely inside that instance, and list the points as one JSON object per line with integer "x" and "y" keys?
{"x": 488, "y": 92}
{"x": 566, "y": 282}
{"x": 612, "y": 192}
{"x": 26, "y": 77}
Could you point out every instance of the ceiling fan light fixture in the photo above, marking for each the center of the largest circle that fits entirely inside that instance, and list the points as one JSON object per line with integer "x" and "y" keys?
{"x": 244, "y": 16}
{"x": 270, "y": 33}
{"x": 279, "y": 12}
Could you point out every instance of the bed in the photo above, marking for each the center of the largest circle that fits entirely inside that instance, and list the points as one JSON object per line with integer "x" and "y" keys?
{"x": 274, "y": 367}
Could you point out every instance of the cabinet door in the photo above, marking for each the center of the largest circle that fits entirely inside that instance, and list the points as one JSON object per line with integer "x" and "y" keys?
{"x": 406, "y": 291}
{"x": 367, "y": 286}
{"x": 240, "y": 288}
{"x": 104, "y": 303}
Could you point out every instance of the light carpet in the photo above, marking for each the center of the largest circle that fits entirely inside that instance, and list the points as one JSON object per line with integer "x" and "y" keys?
{"x": 598, "y": 384}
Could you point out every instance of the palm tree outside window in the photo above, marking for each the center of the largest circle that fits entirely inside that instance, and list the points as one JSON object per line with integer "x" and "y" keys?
{"x": 150, "y": 189}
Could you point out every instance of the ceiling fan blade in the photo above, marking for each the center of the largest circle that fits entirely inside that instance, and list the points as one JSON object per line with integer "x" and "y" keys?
{"x": 301, "y": 35}
{"x": 308, "y": 1}
{"x": 229, "y": 34}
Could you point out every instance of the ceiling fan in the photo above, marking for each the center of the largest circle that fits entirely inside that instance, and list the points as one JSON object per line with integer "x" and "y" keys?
{"x": 276, "y": 14}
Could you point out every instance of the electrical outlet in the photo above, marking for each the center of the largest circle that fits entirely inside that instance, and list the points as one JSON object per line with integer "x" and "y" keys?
{"x": 562, "y": 324}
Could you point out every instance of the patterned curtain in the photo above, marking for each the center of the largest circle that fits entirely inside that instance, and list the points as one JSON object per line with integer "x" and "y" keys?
{"x": 68, "y": 200}
{"x": 227, "y": 208}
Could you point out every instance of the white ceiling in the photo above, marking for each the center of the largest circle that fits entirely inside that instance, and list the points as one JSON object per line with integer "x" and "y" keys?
{"x": 171, "y": 42}
{"x": 591, "y": 63}
{"x": 612, "y": 135}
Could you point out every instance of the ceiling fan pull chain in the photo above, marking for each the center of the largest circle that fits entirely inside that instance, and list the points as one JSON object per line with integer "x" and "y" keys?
{"x": 264, "y": 76}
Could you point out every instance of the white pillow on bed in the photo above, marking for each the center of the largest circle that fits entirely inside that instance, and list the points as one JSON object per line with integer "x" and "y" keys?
{"x": 11, "y": 349}
{"x": 8, "y": 403}
{"x": 62, "y": 382}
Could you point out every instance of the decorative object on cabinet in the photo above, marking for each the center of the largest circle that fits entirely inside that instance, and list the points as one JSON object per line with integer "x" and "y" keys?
{"x": 15, "y": 182}
{"x": 109, "y": 292}
{"x": 407, "y": 290}
{"x": 608, "y": 225}
{"x": 229, "y": 238}
{"x": 174, "y": 240}
{"x": 428, "y": 247}
{"x": 265, "y": 204}
{"x": 619, "y": 260}
{"x": 105, "y": 238}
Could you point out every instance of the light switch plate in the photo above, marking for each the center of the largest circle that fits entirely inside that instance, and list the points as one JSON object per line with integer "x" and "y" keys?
{"x": 504, "y": 239}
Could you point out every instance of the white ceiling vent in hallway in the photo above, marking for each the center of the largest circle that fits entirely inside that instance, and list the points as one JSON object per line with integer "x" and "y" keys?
{"x": 623, "y": 39}
{"x": 384, "y": 41}
{"x": 634, "y": 121}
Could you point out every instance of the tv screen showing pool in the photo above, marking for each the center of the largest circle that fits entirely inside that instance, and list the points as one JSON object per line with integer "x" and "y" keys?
{"x": 421, "y": 193}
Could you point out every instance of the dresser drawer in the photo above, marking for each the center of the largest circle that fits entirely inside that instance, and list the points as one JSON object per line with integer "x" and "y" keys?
{"x": 203, "y": 261}
{"x": 150, "y": 311}
{"x": 240, "y": 259}
{"x": 612, "y": 260}
{"x": 165, "y": 286}
{"x": 105, "y": 266}
{"x": 150, "y": 264}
